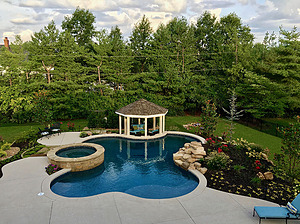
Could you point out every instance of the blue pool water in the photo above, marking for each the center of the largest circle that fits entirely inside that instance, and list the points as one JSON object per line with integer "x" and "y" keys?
{"x": 76, "y": 152}
{"x": 143, "y": 169}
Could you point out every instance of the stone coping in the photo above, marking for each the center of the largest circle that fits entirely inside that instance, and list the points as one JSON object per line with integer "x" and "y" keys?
{"x": 157, "y": 136}
{"x": 80, "y": 163}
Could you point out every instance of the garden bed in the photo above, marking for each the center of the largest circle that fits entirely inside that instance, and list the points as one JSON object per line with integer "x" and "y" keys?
{"x": 240, "y": 176}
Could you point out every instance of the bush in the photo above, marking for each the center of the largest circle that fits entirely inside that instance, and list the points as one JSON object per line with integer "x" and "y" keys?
{"x": 2, "y": 153}
{"x": 83, "y": 134}
{"x": 5, "y": 146}
{"x": 51, "y": 168}
{"x": 217, "y": 160}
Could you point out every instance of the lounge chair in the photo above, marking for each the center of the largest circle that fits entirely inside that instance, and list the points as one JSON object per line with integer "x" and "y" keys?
{"x": 288, "y": 212}
{"x": 44, "y": 133}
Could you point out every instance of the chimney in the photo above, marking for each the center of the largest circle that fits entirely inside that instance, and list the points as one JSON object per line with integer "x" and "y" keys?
{"x": 6, "y": 43}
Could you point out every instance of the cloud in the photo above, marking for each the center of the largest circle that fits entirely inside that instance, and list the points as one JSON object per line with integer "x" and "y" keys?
{"x": 175, "y": 6}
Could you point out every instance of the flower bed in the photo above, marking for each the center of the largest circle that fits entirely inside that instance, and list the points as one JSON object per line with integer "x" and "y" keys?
{"x": 248, "y": 172}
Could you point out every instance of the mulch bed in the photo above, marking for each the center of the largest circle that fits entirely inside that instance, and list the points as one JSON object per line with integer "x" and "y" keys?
{"x": 245, "y": 182}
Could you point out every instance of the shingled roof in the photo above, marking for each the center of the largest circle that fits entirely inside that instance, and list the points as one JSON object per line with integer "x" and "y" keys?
{"x": 142, "y": 107}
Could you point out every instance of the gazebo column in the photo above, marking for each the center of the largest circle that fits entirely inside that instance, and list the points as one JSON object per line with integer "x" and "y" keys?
{"x": 160, "y": 125}
{"x": 146, "y": 127}
{"x": 128, "y": 126}
{"x": 164, "y": 123}
{"x": 154, "y": 123}
{"x": 125, "y": 126}
{"x": 120, "y": 124}
{"x": 139, "y": 120}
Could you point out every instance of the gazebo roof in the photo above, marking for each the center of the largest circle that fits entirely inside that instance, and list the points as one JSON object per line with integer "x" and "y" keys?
{"x": 142, "y": 107}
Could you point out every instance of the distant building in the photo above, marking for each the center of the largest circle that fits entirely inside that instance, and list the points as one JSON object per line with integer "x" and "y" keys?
{"x": 6, "y": 43}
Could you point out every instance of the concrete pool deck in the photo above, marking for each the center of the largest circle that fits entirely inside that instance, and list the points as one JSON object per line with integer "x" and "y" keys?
{"x": 24, "y": 179}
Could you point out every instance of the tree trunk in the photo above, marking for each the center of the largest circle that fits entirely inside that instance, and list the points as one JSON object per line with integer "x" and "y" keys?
{"x": 27, "y": 76}
{"x": 48, "y": 69}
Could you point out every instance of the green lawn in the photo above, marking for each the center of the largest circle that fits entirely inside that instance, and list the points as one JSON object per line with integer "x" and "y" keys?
{"x": 11, "y": 132}
{"x": 251, "y": 135}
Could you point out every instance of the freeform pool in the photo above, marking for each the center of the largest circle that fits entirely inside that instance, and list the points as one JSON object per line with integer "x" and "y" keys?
{"x": 140, "y": 168}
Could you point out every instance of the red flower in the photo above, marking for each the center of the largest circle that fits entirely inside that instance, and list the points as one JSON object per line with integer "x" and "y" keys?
{"x": 225, "y": 145}
{"x": 219, "y": 150}
{"x": 213, "y": 142}
{"x": 257, "y": 167}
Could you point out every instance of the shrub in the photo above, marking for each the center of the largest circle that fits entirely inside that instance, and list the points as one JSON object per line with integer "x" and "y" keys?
{"x": 2, "y": 153}
{"x": 83, "y": 134}
{"x": 51, "y": 168}
{"x": 5, "y": 146}
{"x": 217, "y": 160}
{"x": 208, "y": 119}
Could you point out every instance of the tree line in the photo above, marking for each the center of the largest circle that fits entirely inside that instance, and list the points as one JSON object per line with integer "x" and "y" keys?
{"x": 179, "y": 66}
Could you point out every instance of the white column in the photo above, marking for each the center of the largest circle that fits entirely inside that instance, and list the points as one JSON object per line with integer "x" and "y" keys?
{"x": 154, "y": 123}
{"x": 125, "y": 126}
{"x": 128, "y": 125}
{"x": 160, "y": 124}
{"x": 146, "y": 128}
{"x": 164, "y": 123}
{"x": 139, "y": 120}
{"x": 120, "y": 124}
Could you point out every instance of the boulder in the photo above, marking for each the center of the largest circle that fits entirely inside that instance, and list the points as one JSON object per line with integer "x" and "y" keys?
{"x": 89, "y": 133}
{"x": 85, "y": 129}
{"x": 202, "y": 170}
{"x": 192, "y": 167}
{"x": 194, "y": 143}
{"x": 189, "y": 150}
{"x": 197, "y": 156}
{"x": 191, "y": 160}
{"x": 197, "y": 165}
{"x": 260, "y": 175}
{"x": 199, "y": 152}
{"x": 178, "y": 162}
{"x": 185, "y": 165}
{"x": 186, "y": 156}
{"x": 264, "y": 155}
{"x": 187, "y": 145}
{"x": 268, "y": 175}
{"x": 177, "y": 155}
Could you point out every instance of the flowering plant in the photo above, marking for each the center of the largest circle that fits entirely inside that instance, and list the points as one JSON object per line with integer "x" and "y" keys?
{"x": 51, "y": 168}
{"x": 257, "y": 164}
{"x": 223, "y": 148}
{"x": 71, "y": 126}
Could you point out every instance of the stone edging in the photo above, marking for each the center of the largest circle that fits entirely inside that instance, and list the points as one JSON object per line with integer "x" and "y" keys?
{"x": 77, "y": 164}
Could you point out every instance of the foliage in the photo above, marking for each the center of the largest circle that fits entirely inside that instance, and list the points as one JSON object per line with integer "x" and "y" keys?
{"x": 5, "y": 146}
{"x": 291, "y": 150}
{"x": 3, "y": 153}
{"x": 208, "y": 119}
{"x": 217, "y": 160}
{"x": 83, "y": 134}
{"x": 233, "y": 114}
{"x": 42, "y": 108}
{"x": 51, "y": 168}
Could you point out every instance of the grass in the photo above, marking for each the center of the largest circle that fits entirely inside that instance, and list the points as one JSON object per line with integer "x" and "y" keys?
{"x": 11, "y": 132}
{"x": 241, "y": 131}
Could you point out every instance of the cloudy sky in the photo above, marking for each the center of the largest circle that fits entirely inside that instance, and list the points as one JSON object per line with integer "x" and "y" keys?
{"x": 24, "y": 17}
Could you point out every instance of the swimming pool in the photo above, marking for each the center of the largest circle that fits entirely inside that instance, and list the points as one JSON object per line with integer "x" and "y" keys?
{"x": 140, "y": 168}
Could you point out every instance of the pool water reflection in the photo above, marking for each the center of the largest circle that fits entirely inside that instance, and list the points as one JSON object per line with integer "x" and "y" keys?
{"x": 140, "y": 168}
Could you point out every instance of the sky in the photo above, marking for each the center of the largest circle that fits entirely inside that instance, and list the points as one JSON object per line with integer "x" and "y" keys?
{"x": 24, "y": 17}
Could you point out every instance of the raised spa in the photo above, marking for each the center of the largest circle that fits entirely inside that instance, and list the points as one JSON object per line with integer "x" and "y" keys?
{"x": 77, "y": 157}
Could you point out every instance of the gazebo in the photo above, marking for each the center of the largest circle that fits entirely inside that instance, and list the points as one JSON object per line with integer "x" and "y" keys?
{"x": 142, "y": 109}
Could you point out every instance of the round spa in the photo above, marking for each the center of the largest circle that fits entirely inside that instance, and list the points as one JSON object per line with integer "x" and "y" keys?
{"x": 77, "y": 157}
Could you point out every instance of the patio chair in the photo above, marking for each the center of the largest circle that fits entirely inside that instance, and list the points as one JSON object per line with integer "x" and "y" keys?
{"x": 44, "y": 133}
{"x": 55, "y": 128}
{"x": 291, "y": 211}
